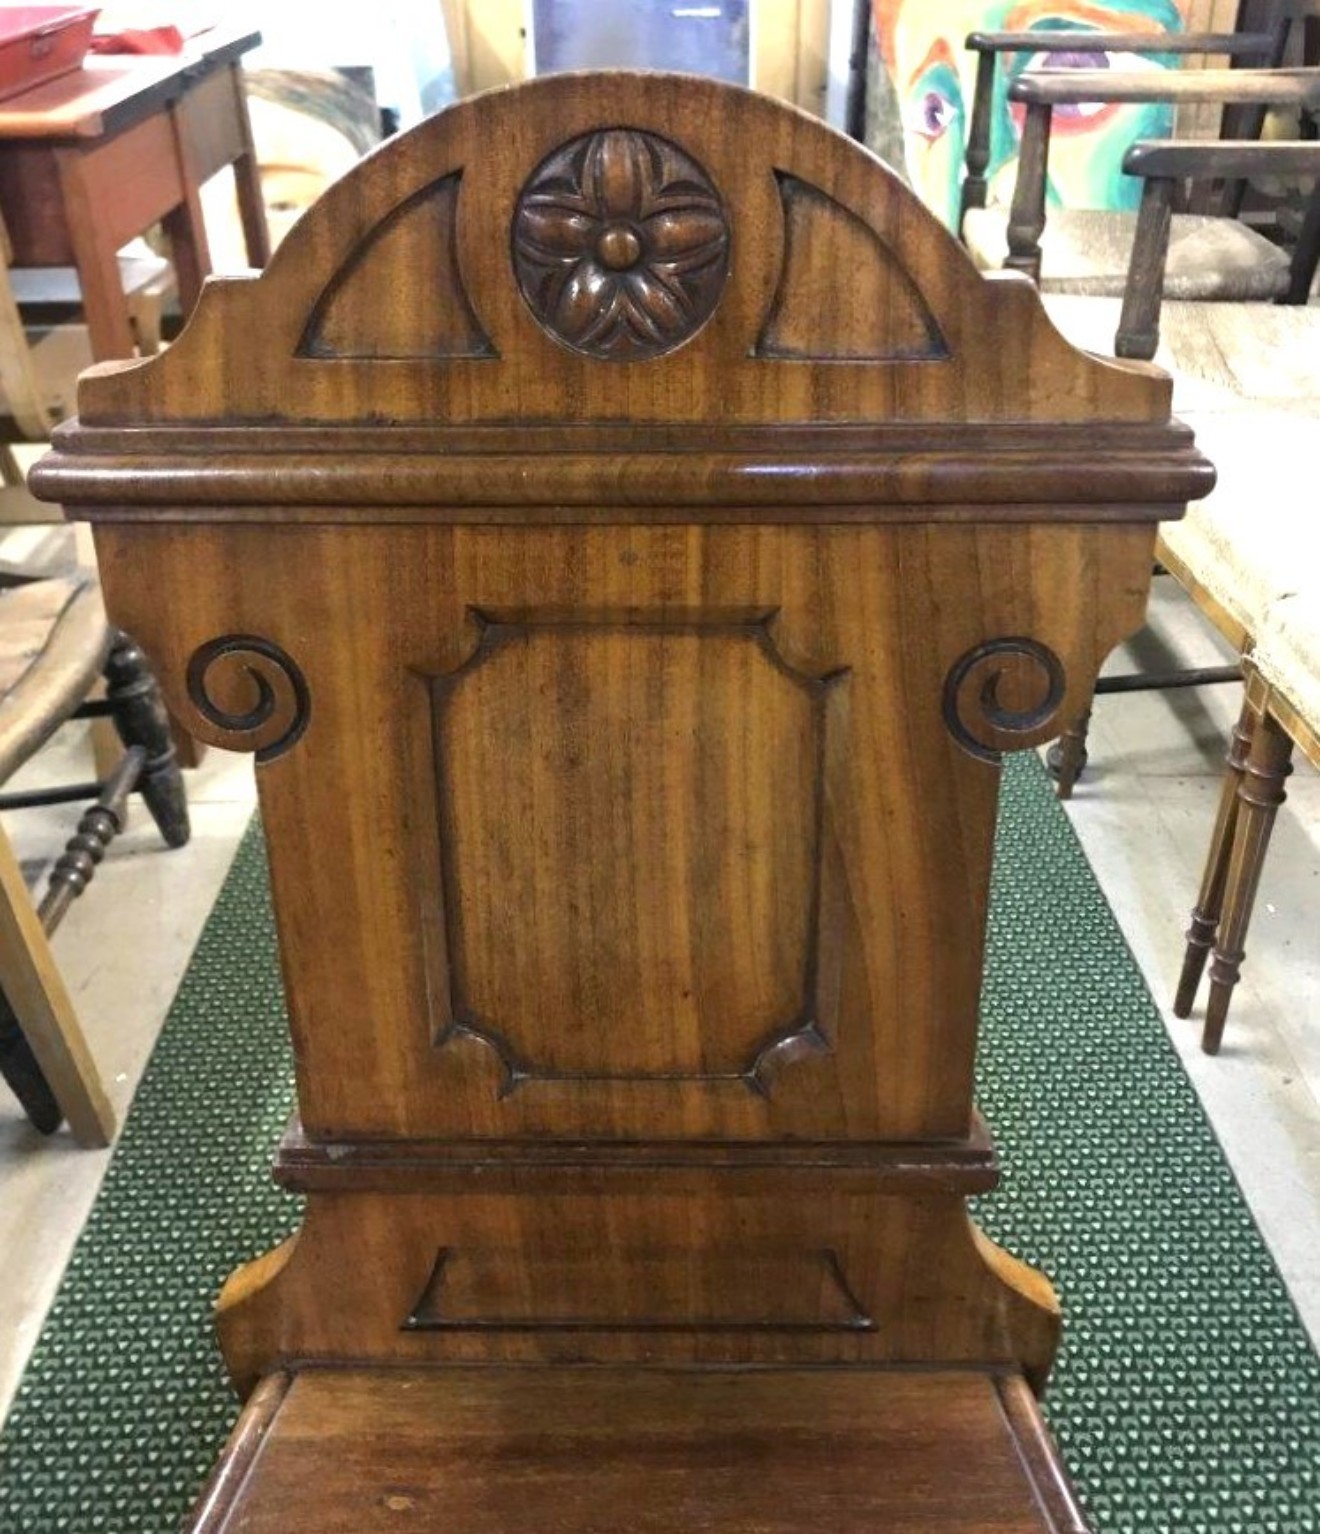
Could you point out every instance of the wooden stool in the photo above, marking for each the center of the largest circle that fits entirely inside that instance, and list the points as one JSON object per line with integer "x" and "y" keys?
{"x": 628, "y": 533}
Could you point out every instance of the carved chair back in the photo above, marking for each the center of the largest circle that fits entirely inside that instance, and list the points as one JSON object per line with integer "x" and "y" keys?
{"x": 628, "y": 533}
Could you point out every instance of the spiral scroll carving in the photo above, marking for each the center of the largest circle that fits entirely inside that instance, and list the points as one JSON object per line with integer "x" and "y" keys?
{"x": 974, "y": 708}
{"x": 621, "y": 245}
{"x": 282, "y": 708}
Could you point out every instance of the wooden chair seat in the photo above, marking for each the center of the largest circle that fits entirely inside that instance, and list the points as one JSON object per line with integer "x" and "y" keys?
{"x": 1247, "y": 376}
{"x": 1087, "y": 251}
{"x": 147, "y": 281}
{"x": 54, "y": 639}
{"x": 1220, "y": 355}
{"x": 775, "y": 1451}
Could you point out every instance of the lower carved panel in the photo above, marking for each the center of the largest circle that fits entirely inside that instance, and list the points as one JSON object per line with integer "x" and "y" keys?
{"x": 703, "y": 1273}
{"x": 673, "y": 1290}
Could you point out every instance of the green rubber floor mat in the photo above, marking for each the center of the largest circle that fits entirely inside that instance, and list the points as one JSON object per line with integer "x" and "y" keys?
{"x": 1187, "y": 1395}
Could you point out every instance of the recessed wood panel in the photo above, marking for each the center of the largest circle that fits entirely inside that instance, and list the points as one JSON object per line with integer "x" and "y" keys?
{"x": 419, "y": 237}
{"x": 692, "y": 1289}
{"x": 874, "y": 314}
{"x": 629, "y": 822}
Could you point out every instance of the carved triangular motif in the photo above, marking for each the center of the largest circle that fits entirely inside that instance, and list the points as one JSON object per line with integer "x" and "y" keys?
{"x": 842, "y": 296}
{"x": 420, "y": 240}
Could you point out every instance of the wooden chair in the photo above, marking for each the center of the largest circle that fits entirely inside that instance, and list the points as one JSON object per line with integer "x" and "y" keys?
{"x": 628, "y": 621}
{"x": 1085, "y": 251}
{"x": 56, "y": 649}
{"x": 55, "y": 645}
{"x": 1256, "y": 48}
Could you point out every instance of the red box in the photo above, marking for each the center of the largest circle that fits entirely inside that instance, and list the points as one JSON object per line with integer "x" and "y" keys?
{"x": 40, "y": 42}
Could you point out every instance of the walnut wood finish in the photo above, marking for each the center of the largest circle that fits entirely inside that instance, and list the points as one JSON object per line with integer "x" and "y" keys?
{"x": 1210, "y": 899}
{"x": 1260, "y": 792}
{"x": 628, "y": 622}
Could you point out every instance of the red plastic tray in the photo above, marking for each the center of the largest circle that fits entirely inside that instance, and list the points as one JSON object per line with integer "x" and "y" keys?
{"x": 39, "y": 42}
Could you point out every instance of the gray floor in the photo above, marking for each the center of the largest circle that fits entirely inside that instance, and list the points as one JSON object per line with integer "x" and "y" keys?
{"x": 1143, "y": 814}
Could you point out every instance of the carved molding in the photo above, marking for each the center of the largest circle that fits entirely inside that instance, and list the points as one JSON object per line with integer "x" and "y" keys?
{"x": 974, "y": 709}
{"x": 688, "y": 1291}
{"x": 782, "y": 1043}
{"x": 621, "y": 245}
{"x": 282, "y": 707}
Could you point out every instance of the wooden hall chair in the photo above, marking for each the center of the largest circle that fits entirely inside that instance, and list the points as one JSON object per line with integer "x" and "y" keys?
{"x": 629, "y": 622}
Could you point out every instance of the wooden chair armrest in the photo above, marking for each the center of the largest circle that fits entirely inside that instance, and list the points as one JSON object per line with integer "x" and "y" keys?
{"x": 1205, "y": 159}
{"x": 1164, "y": 164}
{"x": 1231, "y": 44}
{"x": 1272, "y": 87}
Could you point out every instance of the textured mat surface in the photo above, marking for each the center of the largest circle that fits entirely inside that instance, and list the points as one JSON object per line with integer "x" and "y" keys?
{"x": 1187, "y": 1396}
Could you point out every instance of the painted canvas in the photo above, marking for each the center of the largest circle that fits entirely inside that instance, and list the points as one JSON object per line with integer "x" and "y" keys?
{"x": 927, "y": 80}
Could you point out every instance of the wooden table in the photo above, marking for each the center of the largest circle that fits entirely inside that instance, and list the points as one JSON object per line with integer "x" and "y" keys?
{"x": 93, "y": 159}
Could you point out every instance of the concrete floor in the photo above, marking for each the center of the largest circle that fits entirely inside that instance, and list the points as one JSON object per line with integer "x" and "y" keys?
{"x": 1143, "y": 813}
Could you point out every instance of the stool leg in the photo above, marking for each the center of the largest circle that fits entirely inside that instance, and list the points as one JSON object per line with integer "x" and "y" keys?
{"x": 141, "y": 719}
{"x": 1260, "y": 794}
{"x": 1067, "y": 756}
{"x": 1210, "y": 898}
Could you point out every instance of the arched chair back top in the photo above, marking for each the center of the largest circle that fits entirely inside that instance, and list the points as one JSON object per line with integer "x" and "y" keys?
{"x": 743, "y": 267}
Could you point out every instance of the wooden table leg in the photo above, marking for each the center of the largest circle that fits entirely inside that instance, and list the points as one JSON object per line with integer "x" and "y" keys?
{"x": 1260, "y": 793}
{"x": 247, "y": 182}
{"x": 104, "y": 303}
{"x": 1209, "y": 905}
{"x": 184, "y": 225}
{"x": 44, "y": 1011}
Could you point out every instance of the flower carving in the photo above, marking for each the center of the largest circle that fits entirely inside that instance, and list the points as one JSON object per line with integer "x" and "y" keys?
{"x": 620, "y": 245}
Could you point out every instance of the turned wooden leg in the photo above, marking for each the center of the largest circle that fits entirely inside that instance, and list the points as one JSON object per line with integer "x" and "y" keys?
{"x": 1139, "y": 324}
{"x": 1210, "y": 899}
{"x": 1067, "y": 756}
{"x": 141, "y": 719}
{"x": 975, "y": 187}
{"x": 1260, "y": 794}
{"x": 1026, "y": 217}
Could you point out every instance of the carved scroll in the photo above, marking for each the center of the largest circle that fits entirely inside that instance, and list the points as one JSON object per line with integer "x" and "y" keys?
{"x": 1003, "y": 695}
{"x": 224, "y": 669}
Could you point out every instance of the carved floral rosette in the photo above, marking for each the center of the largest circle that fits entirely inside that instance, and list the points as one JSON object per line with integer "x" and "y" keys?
{"x": 621, "y": 245}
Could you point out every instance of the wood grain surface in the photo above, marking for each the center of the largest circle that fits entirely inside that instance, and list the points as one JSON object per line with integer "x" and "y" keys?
{"x": 479, "y": 1452}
